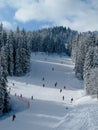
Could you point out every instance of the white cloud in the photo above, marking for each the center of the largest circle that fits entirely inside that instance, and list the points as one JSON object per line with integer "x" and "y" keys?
{"x": 77, "y": 14}
{"x": 31, "y": 12}
{"x": 6, "y": 24}
{"x": 51, "y": 10}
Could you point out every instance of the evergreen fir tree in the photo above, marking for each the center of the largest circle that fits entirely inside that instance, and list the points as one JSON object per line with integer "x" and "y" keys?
{"x": 4, "y": 97}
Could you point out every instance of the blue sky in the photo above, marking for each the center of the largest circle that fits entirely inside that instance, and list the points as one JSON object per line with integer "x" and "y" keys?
{"x": 81, "y": 15}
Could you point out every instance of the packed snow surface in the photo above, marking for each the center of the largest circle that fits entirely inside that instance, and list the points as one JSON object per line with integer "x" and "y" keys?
{"x": 41, "y": 99}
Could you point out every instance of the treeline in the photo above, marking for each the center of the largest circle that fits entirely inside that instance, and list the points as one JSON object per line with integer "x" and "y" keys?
{"x": 51, "y": 40}
{"x": 85, "y": 55}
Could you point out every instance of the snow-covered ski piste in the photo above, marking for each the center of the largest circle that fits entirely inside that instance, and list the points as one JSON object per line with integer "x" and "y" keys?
{"x": 49, "y": 97}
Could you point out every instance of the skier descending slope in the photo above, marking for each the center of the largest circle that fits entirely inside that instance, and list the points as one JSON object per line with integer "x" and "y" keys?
{"x": 13, "y": 118}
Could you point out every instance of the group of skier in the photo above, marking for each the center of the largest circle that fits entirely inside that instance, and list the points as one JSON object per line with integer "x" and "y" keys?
{"x": 43, "y": 79}
{"x": 71, "y": 100}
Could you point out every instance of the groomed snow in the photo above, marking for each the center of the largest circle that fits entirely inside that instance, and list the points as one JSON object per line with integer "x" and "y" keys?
{"x": 48, "y": 111}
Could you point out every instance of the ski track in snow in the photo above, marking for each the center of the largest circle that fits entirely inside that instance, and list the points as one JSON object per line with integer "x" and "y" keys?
{"x": 47, "y": 111}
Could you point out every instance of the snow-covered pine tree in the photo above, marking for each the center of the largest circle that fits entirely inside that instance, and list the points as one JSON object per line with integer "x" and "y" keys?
{"x": 94, "y": 71}
{"x": 4, "y": 37}
{"x": 25, "y": 52}
{"x": 95, "y": 59}
{"x": 1, "y": 35}
{"x": 85, "y": 41}
{"x": 74, "y": 46}
{"x": 89, "y": 63}
{"x": 69, "y": 42}
{"x": 87, "y": 68}
{"x": 79, "y": 60}
{"x": 17, "y": 53}
{"x": 9, "y": 52}
{"x": 91, "y": 71}
{"x": 91, "y": 81}
{"x": 4, "y": 97}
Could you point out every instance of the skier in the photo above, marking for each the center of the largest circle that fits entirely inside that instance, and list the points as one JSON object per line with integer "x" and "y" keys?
{"x": 60, "y": 90}
{"x": 43, "y": 85}
{"x": 13, "y": 118}
{"x": 55, "y": 84}
{"x": 64, "y": 87}
{"x": 71, "y": 100}
{"x": 63, "y": 98}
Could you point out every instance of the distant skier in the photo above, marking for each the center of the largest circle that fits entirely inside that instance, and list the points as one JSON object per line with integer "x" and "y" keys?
{"x": 60, "y": 90}
{"x": 13, "y": 117}
{"x": 13, "y": 84}
{"x": 63, "y": 98}
{"x": 55, "y": 84}
{"x": 71, "y": 100}
{"x": 43, "y": 85}
{"x": 64, "y": 87}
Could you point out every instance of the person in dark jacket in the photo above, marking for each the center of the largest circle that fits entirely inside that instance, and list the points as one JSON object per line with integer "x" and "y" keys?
{"x": 55, "y": 84}
{"x": 71, "y": 100}
{"x": 64, "y": 87}
{"x": 13, "y": 118}
{"x": 43, "y": 85}
{"x": 63, "y": 98}
{"x": 60, "y": 90}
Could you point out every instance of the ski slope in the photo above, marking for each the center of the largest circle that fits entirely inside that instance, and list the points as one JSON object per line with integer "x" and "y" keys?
{"x": 47, "y": 110}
